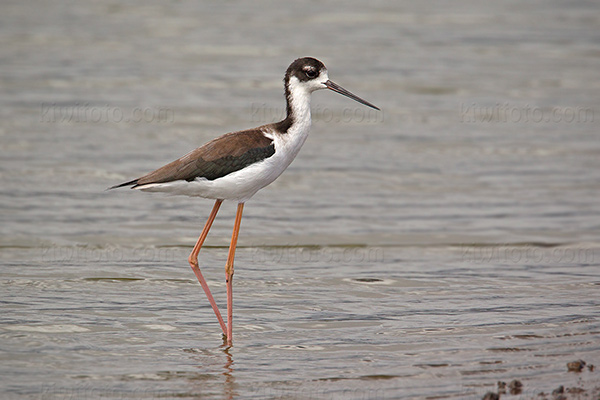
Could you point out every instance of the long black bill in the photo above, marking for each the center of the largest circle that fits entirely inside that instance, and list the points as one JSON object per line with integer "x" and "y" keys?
{"x": 337, "y": 88}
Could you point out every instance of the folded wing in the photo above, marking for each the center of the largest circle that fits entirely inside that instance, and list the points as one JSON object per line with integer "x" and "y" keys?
{"x": 216, "y": 159}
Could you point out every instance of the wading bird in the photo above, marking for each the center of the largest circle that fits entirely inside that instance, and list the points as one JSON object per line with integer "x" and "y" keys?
{"x": 237, "y": 165}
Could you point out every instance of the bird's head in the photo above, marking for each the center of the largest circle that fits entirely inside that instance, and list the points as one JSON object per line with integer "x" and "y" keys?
{"x": 309, "y": 74}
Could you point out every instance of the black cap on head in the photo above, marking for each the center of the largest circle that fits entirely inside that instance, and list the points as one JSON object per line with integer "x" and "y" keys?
{"x": 304, "y": 69}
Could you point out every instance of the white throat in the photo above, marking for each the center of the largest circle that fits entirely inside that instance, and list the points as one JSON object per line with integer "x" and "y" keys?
{"x": 299, "y": 103}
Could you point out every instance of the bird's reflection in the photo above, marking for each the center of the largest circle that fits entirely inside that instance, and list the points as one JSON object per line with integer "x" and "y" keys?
{"x": 217, "y": 373}
{"x": 229, "y": 391}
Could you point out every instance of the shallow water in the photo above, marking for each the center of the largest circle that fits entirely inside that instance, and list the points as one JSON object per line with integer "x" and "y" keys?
{"x": 427, "y": 251}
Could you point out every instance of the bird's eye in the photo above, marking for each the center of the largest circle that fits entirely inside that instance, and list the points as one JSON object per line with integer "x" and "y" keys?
{"x": 311, "y": 73}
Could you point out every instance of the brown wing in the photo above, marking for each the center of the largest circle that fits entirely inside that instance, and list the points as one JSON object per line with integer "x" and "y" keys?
{"x": 217, "y": 158}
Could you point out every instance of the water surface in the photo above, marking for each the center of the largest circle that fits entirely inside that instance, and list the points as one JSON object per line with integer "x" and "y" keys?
{"x": 427, "y": 251}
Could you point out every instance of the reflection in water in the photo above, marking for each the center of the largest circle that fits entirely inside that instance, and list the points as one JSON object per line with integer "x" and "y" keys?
{"x": 217, "y": 373}
{"x": 229, "y": 386}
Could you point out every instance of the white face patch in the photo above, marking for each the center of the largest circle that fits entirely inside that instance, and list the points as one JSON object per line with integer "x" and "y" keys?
{"x": 322, "y": 78}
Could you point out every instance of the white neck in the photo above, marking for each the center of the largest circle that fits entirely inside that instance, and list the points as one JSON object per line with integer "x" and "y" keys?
{"x": 299, "y": 105}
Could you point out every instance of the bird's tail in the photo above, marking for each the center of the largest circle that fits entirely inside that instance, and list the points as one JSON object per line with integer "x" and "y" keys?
{"x": 132, "y": 183}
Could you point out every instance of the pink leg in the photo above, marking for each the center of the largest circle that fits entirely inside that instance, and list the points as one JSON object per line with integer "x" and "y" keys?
{"x": 193, "y": 260}
{"x": 229, "y": 272}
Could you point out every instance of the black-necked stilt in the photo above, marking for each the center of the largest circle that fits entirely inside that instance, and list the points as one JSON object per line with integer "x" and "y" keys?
{"x": 237, "y": 165}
